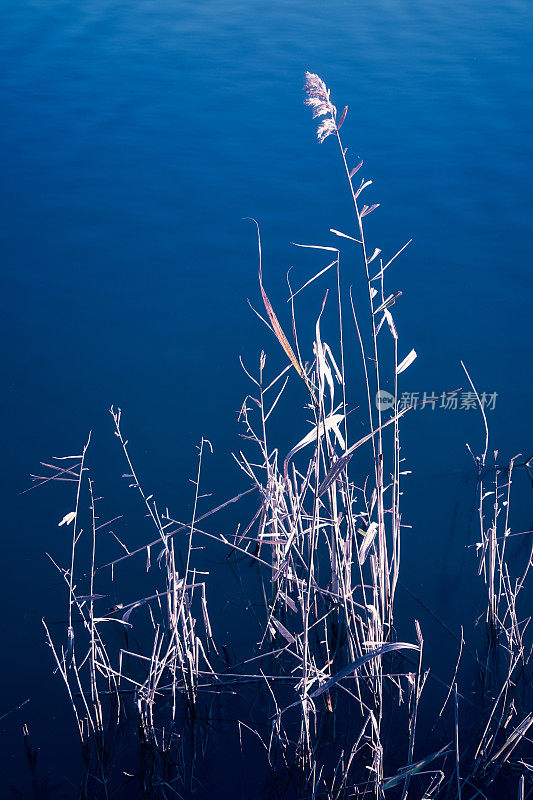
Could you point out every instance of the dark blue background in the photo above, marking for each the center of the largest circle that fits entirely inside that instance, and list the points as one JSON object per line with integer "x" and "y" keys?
{"x": 135, "y": 138}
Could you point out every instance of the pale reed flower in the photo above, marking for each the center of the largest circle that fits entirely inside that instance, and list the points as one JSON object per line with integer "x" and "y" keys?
{"x": 325, "y": 129}
{"x": 318, "y": 100}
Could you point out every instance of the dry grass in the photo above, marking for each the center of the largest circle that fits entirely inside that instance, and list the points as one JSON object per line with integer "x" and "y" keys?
{"x": 340, "y": 698}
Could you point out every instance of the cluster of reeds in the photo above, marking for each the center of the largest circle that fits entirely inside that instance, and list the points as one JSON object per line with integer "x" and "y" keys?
{"x": 340, "y": 697}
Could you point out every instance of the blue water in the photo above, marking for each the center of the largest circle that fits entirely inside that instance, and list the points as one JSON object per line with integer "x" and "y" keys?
{"x": 135, "y": 139}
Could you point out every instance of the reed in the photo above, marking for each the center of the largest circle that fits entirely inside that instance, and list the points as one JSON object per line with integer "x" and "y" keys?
{"x": 340, "y": 698}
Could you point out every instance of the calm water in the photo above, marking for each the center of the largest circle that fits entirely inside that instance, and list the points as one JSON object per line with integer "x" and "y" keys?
{"x": 135, "y": 138}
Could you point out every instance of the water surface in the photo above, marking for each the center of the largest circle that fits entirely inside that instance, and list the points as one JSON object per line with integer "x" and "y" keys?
{"x": 136, "y": 138}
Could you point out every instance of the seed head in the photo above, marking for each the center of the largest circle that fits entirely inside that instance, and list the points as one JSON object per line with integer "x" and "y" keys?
{"x": 318, "y": 99}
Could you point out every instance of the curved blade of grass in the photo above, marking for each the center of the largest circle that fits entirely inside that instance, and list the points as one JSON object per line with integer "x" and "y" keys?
{"x": 408, "y": 360}
{"x": 342, "y": 462}
{"x": 276, "y": 327}
{"x": 354, "y": 665}
{"x": 330, "y": 423}
{"x": 414, "y": 768}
